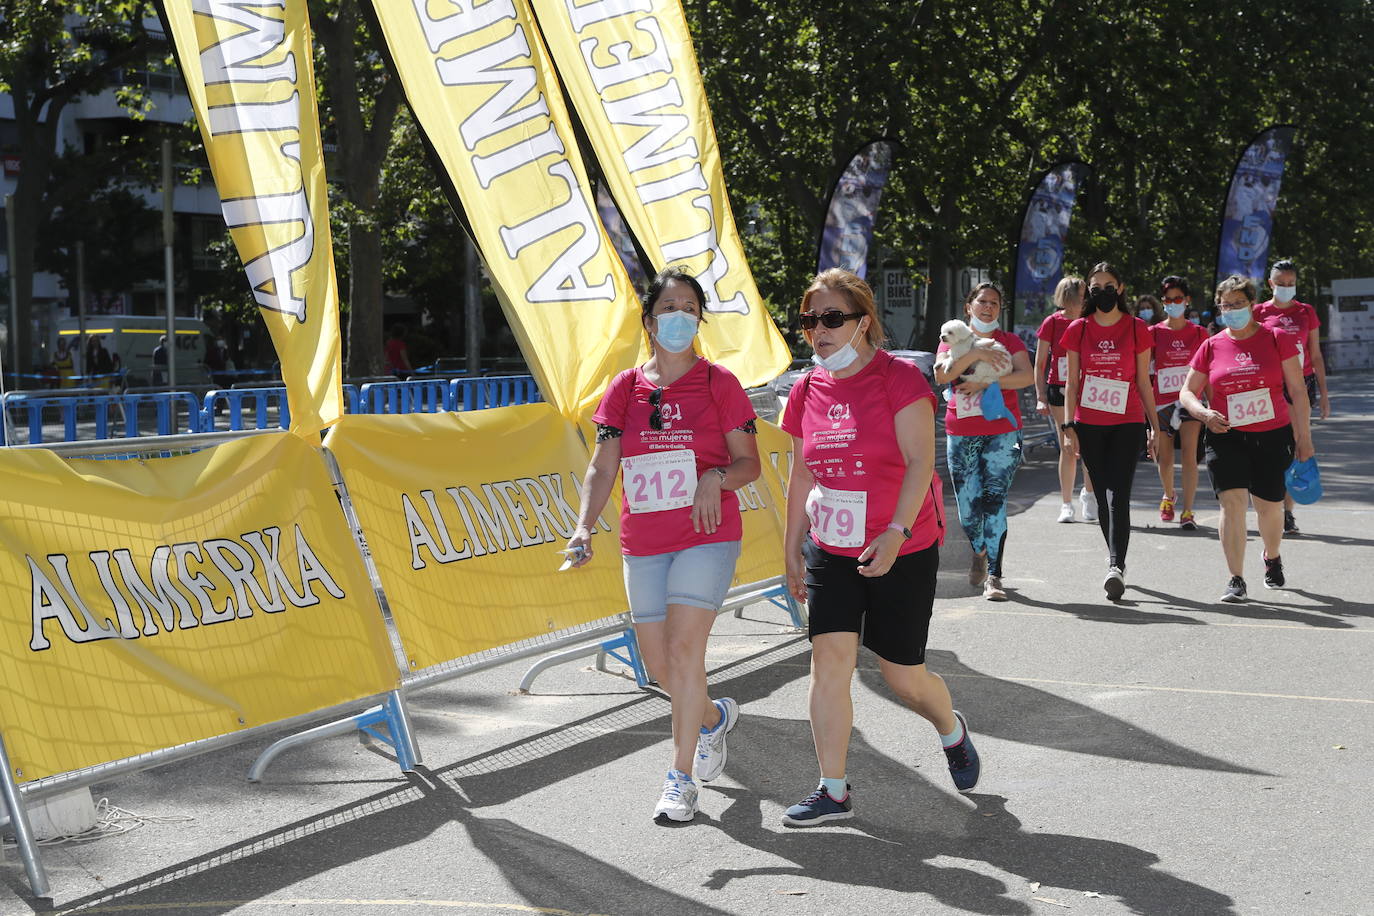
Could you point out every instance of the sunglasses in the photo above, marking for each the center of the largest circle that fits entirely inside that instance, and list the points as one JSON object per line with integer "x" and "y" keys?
{"x": 656, "y": 418}
{"x": 831, "y": 319}
{"x": 1179, "y": 301}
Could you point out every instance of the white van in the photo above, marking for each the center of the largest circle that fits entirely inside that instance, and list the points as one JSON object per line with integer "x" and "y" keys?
{"x": 134, "y": 337}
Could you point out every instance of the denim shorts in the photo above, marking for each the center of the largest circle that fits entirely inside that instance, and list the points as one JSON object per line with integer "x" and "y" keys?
{"x": 697, "y": 576}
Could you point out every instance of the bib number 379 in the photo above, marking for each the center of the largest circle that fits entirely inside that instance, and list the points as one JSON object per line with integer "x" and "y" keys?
{"x": 659, "y": 481}
{"x": 837, "y": 517}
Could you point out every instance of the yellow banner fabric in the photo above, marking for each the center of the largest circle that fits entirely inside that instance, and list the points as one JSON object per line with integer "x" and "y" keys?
{"x": 463, "y": 513}
{"x": 631, "y": 72}
{"x": 150, "y": 603}
{"x": 249, "y": 70}
{"x": 482, "y": 88}
{"x": 763, "y": 510}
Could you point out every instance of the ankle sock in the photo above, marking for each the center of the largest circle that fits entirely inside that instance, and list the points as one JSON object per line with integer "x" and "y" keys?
{"x": 836, "y": 788}
{"x": 716, "y": 727}
{"x": 679, "y": 776}
{"x": 955, "y": 736}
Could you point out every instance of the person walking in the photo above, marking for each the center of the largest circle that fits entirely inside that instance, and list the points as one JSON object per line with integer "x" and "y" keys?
{"x": 1051, "y": 368}
{"x": 983, "y": 454}
{"x": 1253, "y": 434}
{"x": 1109, "y": 396}
{"x": 1175, "y": 341}
{"x": 680, "y": 431}
{"x": 864, "y": 527}
{"x": 1285, "y": 313}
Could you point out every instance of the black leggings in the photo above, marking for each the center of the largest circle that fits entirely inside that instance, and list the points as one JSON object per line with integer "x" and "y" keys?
{"x": 1110, "y": 454}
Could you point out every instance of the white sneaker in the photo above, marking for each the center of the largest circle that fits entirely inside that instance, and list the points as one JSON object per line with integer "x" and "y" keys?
{"x": 711, "y": 746}
{"x": 1088, "y": 503}
{"x": 1115, "y": 583}
{"x": 679, "y": 799}
{"x": 1065, "y": 513}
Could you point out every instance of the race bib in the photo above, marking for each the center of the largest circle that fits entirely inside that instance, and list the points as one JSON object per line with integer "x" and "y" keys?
{"x": 1105, "y": 394}
{"x": 837, "y": 517}
{"x": 1171, "y": 380}
{"x": 1063, "y": 365}
{"x": 1249, "y": 407}
{"x": 659, "y": 481}
{"x": 968, "y": 405}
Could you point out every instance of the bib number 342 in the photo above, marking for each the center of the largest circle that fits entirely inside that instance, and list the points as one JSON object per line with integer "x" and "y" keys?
{"x": 659, "y": 481}
{"x": 837, "y": 517}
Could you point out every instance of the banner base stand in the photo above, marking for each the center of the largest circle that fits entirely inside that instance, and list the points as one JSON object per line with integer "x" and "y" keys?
{"x": 392, "y": 714}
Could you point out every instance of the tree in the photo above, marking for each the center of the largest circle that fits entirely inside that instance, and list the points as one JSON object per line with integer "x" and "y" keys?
{"x": 54, "y": 53}
{"x": 359, "y": 100}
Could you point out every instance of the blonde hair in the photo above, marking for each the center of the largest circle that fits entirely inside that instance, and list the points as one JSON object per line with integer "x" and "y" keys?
{"x": 856, "y": 292}
{"x": 1237, "y": 284}
{"x": 1066, "y": 287}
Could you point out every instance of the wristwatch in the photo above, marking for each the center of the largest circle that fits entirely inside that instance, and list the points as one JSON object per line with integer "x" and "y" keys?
{"x": 906, "y": 532}
{"x": 721, "y": 472}
{"x": 1064, "y": 426}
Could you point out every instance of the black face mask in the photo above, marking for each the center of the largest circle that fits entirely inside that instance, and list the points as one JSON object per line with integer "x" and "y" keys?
{"x": 1103, "y": 299}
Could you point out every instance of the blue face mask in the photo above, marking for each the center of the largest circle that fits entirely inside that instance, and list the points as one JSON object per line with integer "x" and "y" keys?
{"x": 1147, "y": 314}
{"x": 1235, "y": 319}
{"x": 676, "y": 330}
{"x": 1175, "y": 311}
{"x": 983, "y": 327}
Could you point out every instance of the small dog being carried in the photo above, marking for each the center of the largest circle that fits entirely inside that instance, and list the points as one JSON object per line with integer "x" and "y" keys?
{"x": 961, "y": 340}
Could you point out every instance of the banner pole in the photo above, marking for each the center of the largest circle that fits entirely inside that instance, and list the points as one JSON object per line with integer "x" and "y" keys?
{"x": 167, "y": 264}
{"x": 23, "y": 832}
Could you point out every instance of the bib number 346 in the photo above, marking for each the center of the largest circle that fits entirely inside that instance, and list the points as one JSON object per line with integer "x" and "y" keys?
{"x": 659, "y": 481}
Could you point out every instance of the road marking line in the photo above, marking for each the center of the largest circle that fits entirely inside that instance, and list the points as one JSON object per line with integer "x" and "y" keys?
{"x": 1228, "y": 693}
{"x": 964, "y": 612}
{"x": 304, "y": 901}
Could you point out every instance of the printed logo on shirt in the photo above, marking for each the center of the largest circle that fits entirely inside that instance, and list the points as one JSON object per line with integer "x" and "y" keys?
{"x": 1177, "y": 344}
{"x": 669, "y": 413}
{"x": 1106, "y": 345}
{"x": 837, "y": 413}
{"x": 1243, "y": 358}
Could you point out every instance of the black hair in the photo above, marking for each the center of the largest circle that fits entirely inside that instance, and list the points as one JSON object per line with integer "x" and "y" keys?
{"x": 1104, "y": 267}
{"x": 1283, "y": 264}
{"x": 665, "y": 276}
{"x": 1176, "y": 282}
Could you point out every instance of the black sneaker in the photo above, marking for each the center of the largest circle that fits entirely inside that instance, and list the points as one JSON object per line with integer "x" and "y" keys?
{"x": 819, "y": 808}
{"x": 1273, "y": 572}
{"x": 1235, "y": 591}
{"x": 1290, "y": 524}
{"x": 964, "y": 765}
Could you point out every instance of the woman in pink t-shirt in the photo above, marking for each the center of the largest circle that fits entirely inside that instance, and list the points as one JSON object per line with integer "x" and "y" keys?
{"x": 1113, "y": 408}
{"x": 1252, "y": 432}
{"x": 1176, "y": 339}
{"x": 680, "y": 430}
{"x": 983, "y": 454}
{"x": 1051, "y": 366}
{"x": 864, "y": 526}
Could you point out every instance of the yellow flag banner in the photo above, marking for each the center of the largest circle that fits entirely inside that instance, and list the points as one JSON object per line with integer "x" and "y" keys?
{"x": 466, "y": 549}
{"x": 763, "y": 510}
{"x": 631, "y": 72}
{"x": 150, "y": 603}
{"x": 249, "y": 70}
{"x": 479, "y": 81}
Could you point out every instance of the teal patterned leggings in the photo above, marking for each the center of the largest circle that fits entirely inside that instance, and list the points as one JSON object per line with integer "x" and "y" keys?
{"x": 982, "y": 468}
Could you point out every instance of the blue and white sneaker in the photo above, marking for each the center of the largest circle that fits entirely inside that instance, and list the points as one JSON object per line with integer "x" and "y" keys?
{"x": 819, "y": 808}
{"x": 711, "y": 746}
{"x": 679, "y": 799}
{"x": 964, "y": 765}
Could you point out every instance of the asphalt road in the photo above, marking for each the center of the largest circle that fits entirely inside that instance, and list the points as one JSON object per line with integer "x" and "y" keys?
{"x": 1164, "y": 755}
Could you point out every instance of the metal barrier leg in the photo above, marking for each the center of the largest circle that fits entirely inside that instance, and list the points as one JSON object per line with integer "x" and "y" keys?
{"x": 392, "y": 714}
{"x": 629, "y": 642}
{"x": 556, "y": 658}
{"x": 23, "y": 833}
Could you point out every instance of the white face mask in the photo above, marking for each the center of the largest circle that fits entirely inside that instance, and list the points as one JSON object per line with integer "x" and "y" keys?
{"x": 1285, "y": 293}
{"x": 981, "y": 326}
{"x": 842, "y": 358}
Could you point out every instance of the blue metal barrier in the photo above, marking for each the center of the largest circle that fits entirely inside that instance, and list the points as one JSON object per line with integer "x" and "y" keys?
{"x": 259, "y": 401}
{"x": 493, "y": 391}
{"x": 410, "y": 396}
{"x": 107, "y": 413}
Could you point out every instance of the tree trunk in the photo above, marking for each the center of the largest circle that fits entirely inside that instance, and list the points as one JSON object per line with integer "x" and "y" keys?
{"x": 36, "y": 143}
{"x": 364, "y": 300}
{"x": 940, "y": 293}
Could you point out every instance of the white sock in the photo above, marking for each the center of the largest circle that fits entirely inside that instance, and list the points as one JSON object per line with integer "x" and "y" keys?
{"x": 836, "y": 788}
{"x": 955, "y": 736}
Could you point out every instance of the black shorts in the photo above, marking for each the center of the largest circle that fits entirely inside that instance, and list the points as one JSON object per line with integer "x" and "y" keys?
{"x": 891, "y": 612}
{"x": 1239, "y": 460}
{"x": 1054, "y": 394}
{"x": 1166, "y": 423}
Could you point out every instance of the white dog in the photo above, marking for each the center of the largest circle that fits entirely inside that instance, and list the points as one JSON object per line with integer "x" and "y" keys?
{"x": 961, "y": 339}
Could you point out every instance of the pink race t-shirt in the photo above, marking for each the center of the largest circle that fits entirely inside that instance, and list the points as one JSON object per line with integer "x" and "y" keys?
{"x": 697, "y": 411}
{"x": 1298, "y": 319}
{"x": 972, "y": 422}
{"x": 1173, "y": 351}
{"x": 1052, "y": 332}
{"x": 1247, "y": 377}
{"x": 849, "y": 443}
{"x": 1107, "y": 393}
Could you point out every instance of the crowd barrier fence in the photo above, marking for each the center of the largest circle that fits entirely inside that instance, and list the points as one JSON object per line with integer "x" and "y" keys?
{"x": 530, "y": 434}
{"x": 117, "y": 415}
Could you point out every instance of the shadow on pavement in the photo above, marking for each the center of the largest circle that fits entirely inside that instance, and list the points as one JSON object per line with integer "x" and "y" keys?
{"x": 1019, "y": 712}
{"x": 903, "y": 823}
{"x": 1124, "y": 611}
{"x": 1259, "y": 607}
